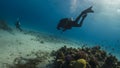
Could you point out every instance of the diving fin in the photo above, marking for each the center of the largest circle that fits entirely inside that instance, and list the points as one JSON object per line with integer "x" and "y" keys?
{"x": 88, "y": 10}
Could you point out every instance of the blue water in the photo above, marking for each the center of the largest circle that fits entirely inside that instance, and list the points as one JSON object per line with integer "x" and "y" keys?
{"x": 100, "y": 28}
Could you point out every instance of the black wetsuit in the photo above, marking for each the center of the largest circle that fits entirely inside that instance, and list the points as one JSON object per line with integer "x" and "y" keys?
{"x": 67, "y": 23}
{"x": 18, "y": 25}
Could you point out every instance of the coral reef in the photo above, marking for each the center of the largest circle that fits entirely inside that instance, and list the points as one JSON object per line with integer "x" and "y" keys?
{"x": 4, "y": 26}
{"x": 65, "y": 57}
{"x": 84, "y": 57}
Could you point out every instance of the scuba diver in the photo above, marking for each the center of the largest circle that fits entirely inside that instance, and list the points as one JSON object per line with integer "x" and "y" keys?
{"x": 18, "y": 25}
{"x": 68, "y": 23}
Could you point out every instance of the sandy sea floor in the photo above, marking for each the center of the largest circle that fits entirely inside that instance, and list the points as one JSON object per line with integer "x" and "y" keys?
{"x": 14, "y": 44}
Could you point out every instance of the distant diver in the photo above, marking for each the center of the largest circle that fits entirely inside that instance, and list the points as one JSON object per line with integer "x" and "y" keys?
{"x": 18, "y": 25}
{"x": 68, "y": 23}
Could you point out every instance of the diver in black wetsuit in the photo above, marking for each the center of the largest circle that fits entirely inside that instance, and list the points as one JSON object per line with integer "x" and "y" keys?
{"x": 68, "y": 23}
{"x": 18, "y": 25}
